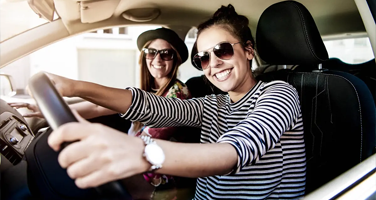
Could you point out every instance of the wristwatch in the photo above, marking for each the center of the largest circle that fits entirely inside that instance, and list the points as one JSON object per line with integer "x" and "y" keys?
{"x": 153, "y": 153}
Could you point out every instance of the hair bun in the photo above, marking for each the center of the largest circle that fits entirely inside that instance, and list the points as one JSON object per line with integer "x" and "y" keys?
{"x": 225, "y": 12}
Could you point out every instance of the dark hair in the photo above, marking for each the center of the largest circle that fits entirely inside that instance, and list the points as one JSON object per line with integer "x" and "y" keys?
{"x": 227, "y": 18}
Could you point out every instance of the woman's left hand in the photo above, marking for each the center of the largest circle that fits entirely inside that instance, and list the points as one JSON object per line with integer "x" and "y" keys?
{"x": 98, "y": 153}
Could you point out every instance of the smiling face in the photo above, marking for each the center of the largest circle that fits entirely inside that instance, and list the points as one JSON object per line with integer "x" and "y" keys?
{"x": 234, "y": 75}
{"x": 158, "y": 68}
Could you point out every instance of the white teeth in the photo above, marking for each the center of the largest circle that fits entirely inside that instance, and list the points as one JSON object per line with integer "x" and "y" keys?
{"x": 157, "y": 67}
{"x": 222, "y": 74}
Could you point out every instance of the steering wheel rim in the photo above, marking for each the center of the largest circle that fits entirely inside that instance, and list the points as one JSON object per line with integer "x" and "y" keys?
{"x": 51, "y": 104}
{"x": 57, "y": 112}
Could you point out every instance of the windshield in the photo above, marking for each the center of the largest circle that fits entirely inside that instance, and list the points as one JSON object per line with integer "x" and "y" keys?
{"x": 92, "y": 56}
{"x": 17, "y": 17}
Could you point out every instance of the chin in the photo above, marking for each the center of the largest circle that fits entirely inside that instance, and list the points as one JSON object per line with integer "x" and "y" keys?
{"x": 223, "y": 88}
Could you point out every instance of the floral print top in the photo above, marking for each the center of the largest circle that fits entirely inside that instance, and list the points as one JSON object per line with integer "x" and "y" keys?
{"x": 178, "y": 90}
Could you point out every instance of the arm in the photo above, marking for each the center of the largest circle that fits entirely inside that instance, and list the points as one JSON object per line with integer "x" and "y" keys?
{"x": 115, "y": 99}
{"x": 157, "y": 111}
{"x": 277, "y": 110}
{"x": 118, "y": 100}
{"x": 90, "y": 110}
{"x": 112, "y": 100}
{"x": 103, "y": 154}
{"x": 188, "y": 114}
{"x": 86, "y": 109}
{"x": 197, "y": 160}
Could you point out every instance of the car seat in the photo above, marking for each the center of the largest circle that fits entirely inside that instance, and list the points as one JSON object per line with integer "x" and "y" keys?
{"x": 338, "y": 110}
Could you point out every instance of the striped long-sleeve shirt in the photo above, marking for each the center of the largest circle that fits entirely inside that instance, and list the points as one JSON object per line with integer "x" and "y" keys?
{"x": 265, "y": 127}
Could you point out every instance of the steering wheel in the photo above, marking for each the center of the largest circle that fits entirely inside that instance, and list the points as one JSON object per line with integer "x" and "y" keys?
{"x": 57, "y": 113}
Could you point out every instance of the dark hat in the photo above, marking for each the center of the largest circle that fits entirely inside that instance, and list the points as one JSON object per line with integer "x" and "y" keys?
{"x": 166, "y": 34}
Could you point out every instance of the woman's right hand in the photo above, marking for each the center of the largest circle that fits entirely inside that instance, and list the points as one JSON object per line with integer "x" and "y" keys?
{"x": 64, "y": 86}
{"x": 36, "y": 112}
{"x": 98, "y": 154}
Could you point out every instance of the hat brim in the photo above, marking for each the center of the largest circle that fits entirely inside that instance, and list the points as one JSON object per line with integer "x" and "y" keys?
{"x": 166, "y": 34}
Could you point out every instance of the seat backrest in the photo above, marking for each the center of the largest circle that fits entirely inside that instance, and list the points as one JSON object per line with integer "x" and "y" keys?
{"x": 339, "y": 118}
{"x": 366, "y": 71}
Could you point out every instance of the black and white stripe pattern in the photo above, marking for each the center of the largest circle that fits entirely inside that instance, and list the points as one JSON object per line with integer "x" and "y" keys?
{"x": 265, "y": 127}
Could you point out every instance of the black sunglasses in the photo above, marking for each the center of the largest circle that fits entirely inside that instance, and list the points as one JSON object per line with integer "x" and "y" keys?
{"x": 166, "y": 54}
{"x": 223, "y": 51}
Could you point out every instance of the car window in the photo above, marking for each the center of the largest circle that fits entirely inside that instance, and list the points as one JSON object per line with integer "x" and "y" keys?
{"x": 350, "y": 50}
{"x": 108, "y": 57}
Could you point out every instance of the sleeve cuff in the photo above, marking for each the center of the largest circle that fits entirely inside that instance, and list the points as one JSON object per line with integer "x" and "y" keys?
{"x": 127, "y": 115}
{"x": 236, "y": 168}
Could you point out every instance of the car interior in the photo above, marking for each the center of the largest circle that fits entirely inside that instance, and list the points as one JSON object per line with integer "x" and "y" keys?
{"x": 338, "y": 99}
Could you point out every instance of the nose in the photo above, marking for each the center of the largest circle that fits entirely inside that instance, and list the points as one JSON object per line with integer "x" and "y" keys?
{"x": 157, "y": 57}
{"x": 214, "y": 61}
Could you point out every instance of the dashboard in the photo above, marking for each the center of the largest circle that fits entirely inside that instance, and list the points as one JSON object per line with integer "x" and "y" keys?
{"x": 15, "y": 134}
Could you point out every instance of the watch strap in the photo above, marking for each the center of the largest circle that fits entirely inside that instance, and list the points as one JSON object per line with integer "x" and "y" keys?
{"x": 148, "y": 140}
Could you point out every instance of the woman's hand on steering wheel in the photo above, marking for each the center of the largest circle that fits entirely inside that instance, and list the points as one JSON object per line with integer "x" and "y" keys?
{"x": 99, "y": 154}
{"x": 64, "y": 86}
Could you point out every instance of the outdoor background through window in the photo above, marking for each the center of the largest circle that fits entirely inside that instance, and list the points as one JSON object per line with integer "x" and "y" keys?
{"x": 351, "y": 50}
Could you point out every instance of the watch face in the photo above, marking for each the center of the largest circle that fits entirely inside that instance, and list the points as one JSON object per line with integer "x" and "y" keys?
{"x": 154, "y": 154}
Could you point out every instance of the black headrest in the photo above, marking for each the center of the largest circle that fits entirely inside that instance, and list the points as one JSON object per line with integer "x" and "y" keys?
{"x": 287, "y": 35}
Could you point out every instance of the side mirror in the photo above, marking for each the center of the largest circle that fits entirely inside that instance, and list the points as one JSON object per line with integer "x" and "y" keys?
{"x": 7, "y": 87}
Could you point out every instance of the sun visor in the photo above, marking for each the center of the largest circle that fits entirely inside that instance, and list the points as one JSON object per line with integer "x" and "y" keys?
{"x": 43, "y": 8}
{"x": 94, "y": 10}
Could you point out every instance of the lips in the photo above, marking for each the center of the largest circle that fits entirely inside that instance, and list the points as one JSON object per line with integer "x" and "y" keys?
{"x": 157, "y": 66}
{"x": 223, "y": 75}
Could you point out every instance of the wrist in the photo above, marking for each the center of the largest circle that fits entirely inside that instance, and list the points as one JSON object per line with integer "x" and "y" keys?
{"x": 153, "y": 153}
{"x": 144, "y": 165}
{"x": 78, "y": 88}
